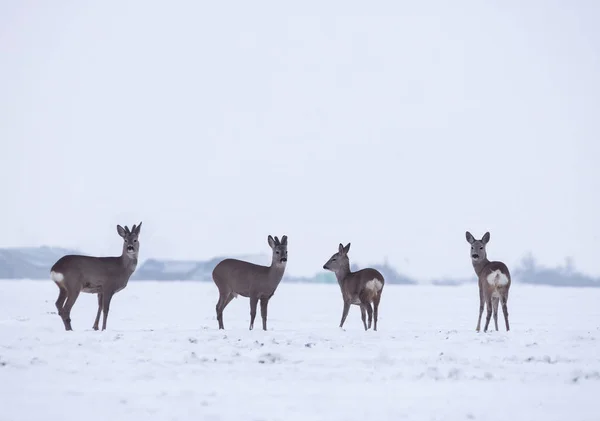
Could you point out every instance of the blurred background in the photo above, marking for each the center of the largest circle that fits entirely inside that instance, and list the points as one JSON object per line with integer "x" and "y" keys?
{"x": 395, "y": 126}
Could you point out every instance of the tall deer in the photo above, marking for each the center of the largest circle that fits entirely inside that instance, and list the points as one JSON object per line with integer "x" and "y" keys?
{"x": 104, "y": 276}
{"x": 494, "y": 281}
{"x": 236, "y": 277}
{"x": 361, "y": 288}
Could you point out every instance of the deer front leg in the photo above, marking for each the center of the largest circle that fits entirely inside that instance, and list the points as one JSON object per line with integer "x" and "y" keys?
{"x": 106, "y": 297}
{"x": 264, "y": 302}
{"x": 99, "y": 311}
{"x": 253, "y": 304}
{"x": 478, "y": 328}
{"x": 345, "y": 312}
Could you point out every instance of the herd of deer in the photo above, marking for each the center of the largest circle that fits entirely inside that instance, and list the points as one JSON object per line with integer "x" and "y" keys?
{"x": 105, "y": 276}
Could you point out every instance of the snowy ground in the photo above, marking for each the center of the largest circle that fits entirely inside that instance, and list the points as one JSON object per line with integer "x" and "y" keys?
{"x": 162, "y": 357}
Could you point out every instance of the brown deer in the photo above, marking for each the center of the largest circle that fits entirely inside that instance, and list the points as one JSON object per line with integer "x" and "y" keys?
{"x": 236, "y": 277}
{"x": 361, "y": 288}
{"x": 494, "y": 281}
{"x": 104, "y": 276}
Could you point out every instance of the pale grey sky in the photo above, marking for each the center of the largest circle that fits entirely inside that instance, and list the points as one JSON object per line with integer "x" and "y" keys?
{"x": 395, "y": 126}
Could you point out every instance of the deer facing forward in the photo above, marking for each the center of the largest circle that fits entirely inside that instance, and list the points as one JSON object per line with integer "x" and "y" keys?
{"x": 104, "y": 276}
{"x": 361, "y": 288}
{"x": 236, "y": 277}
{"x": 494, "y": 281}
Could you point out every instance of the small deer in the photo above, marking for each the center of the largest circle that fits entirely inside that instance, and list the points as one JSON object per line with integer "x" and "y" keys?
{"x": 494, "y": 281}
{"x": 361, "y": 288}
{"x": 236, "y": 277}
{"x": 104, "y": 276}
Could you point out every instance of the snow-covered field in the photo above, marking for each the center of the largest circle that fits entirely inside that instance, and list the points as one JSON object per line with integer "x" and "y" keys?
{"x": 162, "y": 357}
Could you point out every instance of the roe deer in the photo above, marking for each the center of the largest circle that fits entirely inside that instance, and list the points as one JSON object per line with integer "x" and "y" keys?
{"x": 362, "y": 287}
{"x": 494, "y": 281}
{"x": 104, "y": 276}
{"x": 235, "y": 277}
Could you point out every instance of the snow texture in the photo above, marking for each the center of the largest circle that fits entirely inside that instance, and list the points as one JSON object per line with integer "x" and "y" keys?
{"x": 162, "y": 357}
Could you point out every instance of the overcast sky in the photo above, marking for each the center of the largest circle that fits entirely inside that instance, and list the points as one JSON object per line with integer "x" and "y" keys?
{"x": 394, "y": 126}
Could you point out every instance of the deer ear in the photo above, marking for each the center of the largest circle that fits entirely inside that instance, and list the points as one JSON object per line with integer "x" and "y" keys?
{"x": 284, "y": 240}
{"x": 138, "y": 228}
{"x": 347, "y": 248}
{"x": 486, "y": 238}
{"x": 341, "y": 249}
{"x": 271, "y": 241}
{"x": 121, "y": 231}
{"x": 470, "y": 237}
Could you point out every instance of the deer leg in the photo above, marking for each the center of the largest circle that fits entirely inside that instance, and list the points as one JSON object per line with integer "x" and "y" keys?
{"x": 221, "y": 304}
{"x": 253, "y": 304}
{"x": 504, "y": 298}
{"x": 478, "y": 328}
{"x": 363, "y": 315}
{"x": 488, "y": 316}
{"x": 376, "y": 309}
{"x": 224, "y": 299}
{"x": 264, "y": 302}
{"x": 369, "y": 313}
{"x": 106, "y": 297}
{"x": 365, "y": 300}
{"x": 495, "y": 301}
{"x": 345, "y": 313}
{"x": 99, "y": 311}
{"x": 66, "y": 312}
{"x": 60, "y": 301}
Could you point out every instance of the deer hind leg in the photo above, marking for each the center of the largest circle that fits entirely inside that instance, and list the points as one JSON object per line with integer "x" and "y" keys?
{"x": 363, "y": 314}
{"x": 504, "y": 299}
{"x": 488, "y": 316}
{"x": 224, "y": 299}
{"x": 95, "y": 327}
{"x": 495, "y": 301}
{"x": 376, "y": 300}
{"x": 66, "y": 312}
{"x": 365, "y": 298}
{"x": 370, "y": 314}
{"x": 60, "y": 301}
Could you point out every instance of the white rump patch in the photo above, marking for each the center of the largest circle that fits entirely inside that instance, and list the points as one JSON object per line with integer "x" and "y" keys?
{"x": 374, "y": 285}
{"x": 497, "y": 278}
{"x": 57, "y": 277}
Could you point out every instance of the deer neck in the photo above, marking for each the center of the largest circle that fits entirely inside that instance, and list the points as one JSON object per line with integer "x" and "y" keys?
{"x": 478, "y": 266}
{"x": 129, "y": 261}
{"x": 276, "y": 269}
{"x": 342, "y": 273}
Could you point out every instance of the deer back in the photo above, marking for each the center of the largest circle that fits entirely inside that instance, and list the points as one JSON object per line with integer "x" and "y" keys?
{"x": 93, "y": 274}
{"x": 367, "y": 281}
{"x": 244, "y": 277}
{"x": 494, "y": 275}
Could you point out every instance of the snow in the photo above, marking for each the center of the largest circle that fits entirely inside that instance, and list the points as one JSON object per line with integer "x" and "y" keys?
{"x": 162, "y": 357}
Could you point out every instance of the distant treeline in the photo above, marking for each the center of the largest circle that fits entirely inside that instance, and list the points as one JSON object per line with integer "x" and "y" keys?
{"x": 35, "y": 263}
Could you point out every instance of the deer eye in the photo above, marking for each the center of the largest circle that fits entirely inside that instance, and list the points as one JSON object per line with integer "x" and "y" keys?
{"x": 277, "y": 252}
